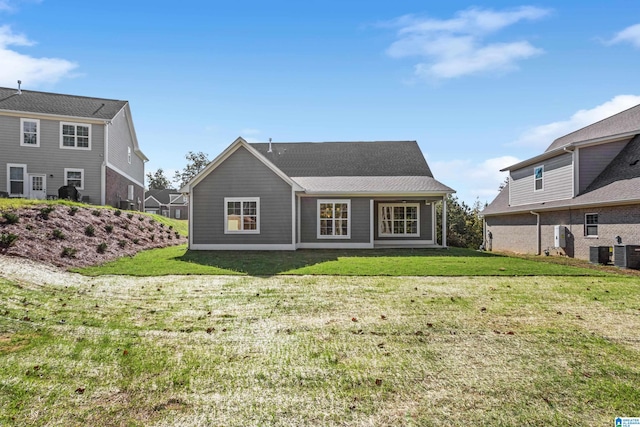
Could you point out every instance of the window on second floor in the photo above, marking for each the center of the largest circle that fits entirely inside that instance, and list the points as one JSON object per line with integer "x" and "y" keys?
{"x": 74, "y": 135}
{"x": 30, "y": 132}
{"x": 538, "y": 173}
{"x": 591, "y": 224}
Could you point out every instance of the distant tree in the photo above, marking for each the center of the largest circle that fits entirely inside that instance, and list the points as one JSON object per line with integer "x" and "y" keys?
{"x": 195, "y": 163}
{"x": 503, "y": 184}
{"x": 158, "y": 180}
{"x": 464, "y": 225}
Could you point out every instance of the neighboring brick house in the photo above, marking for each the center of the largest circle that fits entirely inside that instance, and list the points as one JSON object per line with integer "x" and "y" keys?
{"x": 167, "y": 202}
{"x": 583, "y": 191}
{"x": 50, "y": 140}
{"x": 338, "y": 195}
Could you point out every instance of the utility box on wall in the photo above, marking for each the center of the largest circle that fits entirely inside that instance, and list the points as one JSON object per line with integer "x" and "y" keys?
{"x": 559, "y": 236}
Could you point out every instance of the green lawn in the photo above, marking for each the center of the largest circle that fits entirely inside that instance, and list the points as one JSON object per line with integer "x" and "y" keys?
{"x": 386, "y": 262}
{"x": 330, "y": 351}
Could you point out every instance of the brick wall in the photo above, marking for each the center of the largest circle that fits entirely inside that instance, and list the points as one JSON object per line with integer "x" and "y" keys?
{"x": 117, "y": 190}
{"x": 517, "y": 233}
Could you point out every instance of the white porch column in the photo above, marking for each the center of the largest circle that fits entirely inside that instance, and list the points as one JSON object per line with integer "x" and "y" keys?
{"x": 444, "y": 222}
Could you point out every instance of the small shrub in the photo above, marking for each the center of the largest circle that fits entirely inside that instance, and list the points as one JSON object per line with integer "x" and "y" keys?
{"x": 140, "y": 218}
{"x": 7, "y": 240}
{"x": 171, "y": 227}
{"x": 153, "y": 237}
{"x": 122, "y": 243}
{"x": 161, "y": 225}
{"x": 29, "y": 227}
{"x": 102, "y": 247}
{"x": 129, "y": 215}
{"x": 96, "y": 212}
{"x": 58, "y": 234}
{"x": 177, "y": 235}
{"x": 150, "y": 229}
{"x": 108, "y": 228}
{"x": 44, "y": 212}
{"x": 69, "y": 252}
{"x": 141, "y": 228}
{"x": 125, "y": 225}
{"x": 118, "y": 212}
{"x": 11, "y": 217}
{"x": 136, "y": 241}
{"x": 169, "y": 237}
{"x": 152, "y": 221}
{"x": 89, "y": 230}
{"x": 73, "y": 210}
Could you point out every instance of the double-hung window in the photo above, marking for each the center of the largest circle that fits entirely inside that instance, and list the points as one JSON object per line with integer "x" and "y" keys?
{"x": 334, "y": 219}
{"x": 242, "y": 215}
{"x": 538, "y": 173}
{"x": 399, "y": 219}
{"x": 591, "y": 224}
{"x": 30, "y": 132}
{"x": 75, "y": 135}
{"x": 74, "y": 177}
{"x": 16, "y": 176}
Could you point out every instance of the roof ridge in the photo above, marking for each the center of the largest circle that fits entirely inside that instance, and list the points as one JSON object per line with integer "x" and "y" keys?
{"x": 65, "y": 94}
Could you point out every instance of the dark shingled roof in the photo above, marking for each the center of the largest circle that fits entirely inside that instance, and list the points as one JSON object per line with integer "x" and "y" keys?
{"x": 161, "y": 195}
{"x": 59, "y": 104}
{"x": 627, "y": 121}
{"x": 619, "y": 183}
{"x": 323, "y": 159}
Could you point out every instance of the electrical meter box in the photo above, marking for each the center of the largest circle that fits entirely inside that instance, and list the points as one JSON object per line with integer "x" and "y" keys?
{"x": 559, "y": 236}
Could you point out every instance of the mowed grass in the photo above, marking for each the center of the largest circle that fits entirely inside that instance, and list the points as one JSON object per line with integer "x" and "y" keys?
{"x": 380, "y": 262}
{"x": 331, "y": 351}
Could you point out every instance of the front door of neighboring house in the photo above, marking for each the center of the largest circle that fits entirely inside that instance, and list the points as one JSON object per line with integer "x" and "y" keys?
{"x": 37, "y": 186}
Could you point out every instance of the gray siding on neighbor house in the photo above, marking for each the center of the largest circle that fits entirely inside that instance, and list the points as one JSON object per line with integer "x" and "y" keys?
{"x": 426, "y": 220}
{"x": 593, "y": 160}
{"x": 119, "y": 140}
{"x": 360, "y": 220}
{"x": 241, "y": 175}
{"x": 49, "y": 158}
{"x": 557, "y": 182}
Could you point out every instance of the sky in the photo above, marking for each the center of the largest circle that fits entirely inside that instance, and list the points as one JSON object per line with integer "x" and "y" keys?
{"x": 479, "y": 86}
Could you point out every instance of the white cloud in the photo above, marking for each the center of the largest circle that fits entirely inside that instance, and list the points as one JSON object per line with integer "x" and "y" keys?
{"x": 32, "y": 71}
{"x": 457, "y": 47}
{"x": 630, "y": 34}
{"x": 540, "y": 137}
{"x": 473, "y": 180}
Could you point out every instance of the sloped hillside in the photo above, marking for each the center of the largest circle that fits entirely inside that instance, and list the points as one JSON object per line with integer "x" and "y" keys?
{"x": 77, "y": 236}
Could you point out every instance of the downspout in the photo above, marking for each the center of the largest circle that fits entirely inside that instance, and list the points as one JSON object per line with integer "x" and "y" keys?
{"x": 103, "y": 177}
{"x": 537, "y": 231}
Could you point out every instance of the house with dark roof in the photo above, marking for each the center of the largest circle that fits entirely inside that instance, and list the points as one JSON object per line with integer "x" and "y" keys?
{"x": 50, "y": 140}
{"x": 582, "y": 192}
{"x": 285, "y": 196}
{"x": 167, "y": 202}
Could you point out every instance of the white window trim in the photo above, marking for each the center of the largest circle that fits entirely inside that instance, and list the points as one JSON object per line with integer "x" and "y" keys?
{"x": 177, "y": 214}
{"x": 318, "y": 219}
{"x": 226, "y": 212}
{"x": 131, "y": 192}
{"x": 591, "y": 236}
{"x": 25, "y": 179}
{"x": 541, "y": 179}
{"x": 129, "y": 155}
{"x": 75, "y": 147}
{"x": 22, "y": 143}
{"x": 74, "y": 170}
{"x": 405, "y": 234}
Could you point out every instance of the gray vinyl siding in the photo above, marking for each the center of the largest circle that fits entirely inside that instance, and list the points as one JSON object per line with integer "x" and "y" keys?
{"x": 119, "y": 140}
{"x": 242, "y": 175}
{"x": 49, "y": 158}
{"x": 426, "y": 221}
{"x": 593, "y": 160}
{"x": 360, "y": 220}
{"x": 557, "y": 182}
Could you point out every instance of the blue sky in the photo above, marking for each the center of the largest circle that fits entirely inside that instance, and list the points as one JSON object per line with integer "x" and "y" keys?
{"x": 478, "y": 85}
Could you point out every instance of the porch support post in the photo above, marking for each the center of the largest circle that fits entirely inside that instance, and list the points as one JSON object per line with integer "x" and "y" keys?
{"x": 444, "y": 221}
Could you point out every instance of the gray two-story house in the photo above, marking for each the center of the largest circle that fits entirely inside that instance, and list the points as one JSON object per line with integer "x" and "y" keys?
{"x": 50, "y": 140}
{"x": 582, "y": 192}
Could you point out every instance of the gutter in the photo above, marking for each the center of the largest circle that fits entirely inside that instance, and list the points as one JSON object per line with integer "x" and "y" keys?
{"x": 537, "y": 231}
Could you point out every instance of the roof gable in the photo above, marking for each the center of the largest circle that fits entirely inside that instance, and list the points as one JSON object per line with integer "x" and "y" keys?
{"x": 623, "y": 168}
{"x": 58, "y": 104}
{"x": 625, "y": 122}
{"x": 323, "y": 159}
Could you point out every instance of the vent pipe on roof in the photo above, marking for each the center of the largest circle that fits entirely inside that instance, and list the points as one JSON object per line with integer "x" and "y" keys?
{"x": 19, "y": 90}
{"x": 269, "y": 150}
